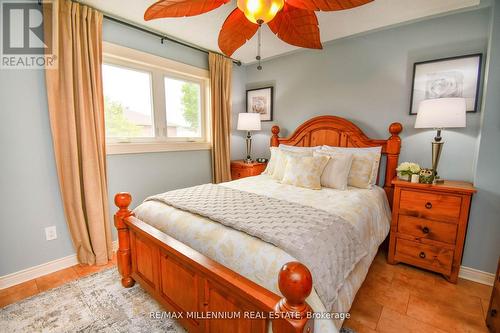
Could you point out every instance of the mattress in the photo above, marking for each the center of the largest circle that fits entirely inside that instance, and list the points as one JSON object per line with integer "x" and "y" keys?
{"x": 366, "y": 209}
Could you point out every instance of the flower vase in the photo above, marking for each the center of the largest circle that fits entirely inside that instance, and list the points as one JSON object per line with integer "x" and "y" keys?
{"x": 403, "y": 177}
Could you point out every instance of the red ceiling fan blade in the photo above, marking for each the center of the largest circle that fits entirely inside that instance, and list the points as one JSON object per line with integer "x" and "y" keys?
{"x": 181, "y": 8}
{"x": 235, "y": 32}
{"x": 296, "y": 26}
{"x": 327, "y": 5}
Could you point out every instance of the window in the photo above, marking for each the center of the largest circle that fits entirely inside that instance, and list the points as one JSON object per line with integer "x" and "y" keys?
{"x": 128, "y": 105}
{"x": 152, "y": 103}
{"x": 183, "y": 108}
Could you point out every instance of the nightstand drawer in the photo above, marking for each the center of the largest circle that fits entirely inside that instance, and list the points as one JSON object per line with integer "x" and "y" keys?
{"x": 423, "y": 228}
{"x": 427, "y": 256}
{"x": 441, "y": 206}
{"x": 493, "y": 315}
{"x": 241, "y": 169}
{"x": 237, "y": 173}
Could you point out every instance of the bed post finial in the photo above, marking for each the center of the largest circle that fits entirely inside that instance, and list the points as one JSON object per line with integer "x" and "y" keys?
{"x": 393, "y": 150}
{"x": 295, "y": 283}
{"x": 274, "y": 139}
{"x": 395, "y": 129}
{"x": 123, "y": 256}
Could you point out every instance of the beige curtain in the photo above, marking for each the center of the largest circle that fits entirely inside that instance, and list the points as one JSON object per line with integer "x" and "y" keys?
{"x": 220, "y": 83}
{"x": 76, "y": 108}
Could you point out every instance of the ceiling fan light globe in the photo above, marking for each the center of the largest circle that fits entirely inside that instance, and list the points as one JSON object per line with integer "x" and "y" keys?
{"x": 260, "y": 11}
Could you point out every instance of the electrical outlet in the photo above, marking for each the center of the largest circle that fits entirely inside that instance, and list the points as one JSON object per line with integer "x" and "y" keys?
{"x": 50, "y": 233}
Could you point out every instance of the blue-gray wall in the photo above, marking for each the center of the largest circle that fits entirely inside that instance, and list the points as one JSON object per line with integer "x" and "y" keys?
{"x": 29, "y": 191}
{"x": 482, "y": 247}
{"x": 367, "y": 79}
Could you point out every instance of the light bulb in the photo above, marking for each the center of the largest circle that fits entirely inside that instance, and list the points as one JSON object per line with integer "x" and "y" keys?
{"x": 260, "y": 11}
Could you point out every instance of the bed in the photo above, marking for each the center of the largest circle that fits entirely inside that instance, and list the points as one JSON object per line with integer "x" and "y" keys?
{"x": 209, "y": 272}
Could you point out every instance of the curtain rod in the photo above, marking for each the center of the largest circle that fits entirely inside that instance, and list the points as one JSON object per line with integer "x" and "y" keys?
{"x": 150, "y": 31}
{"x": 162, "y": 36}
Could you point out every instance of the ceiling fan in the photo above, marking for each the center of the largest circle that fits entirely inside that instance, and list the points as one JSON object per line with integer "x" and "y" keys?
{"x": 293, "y": 21}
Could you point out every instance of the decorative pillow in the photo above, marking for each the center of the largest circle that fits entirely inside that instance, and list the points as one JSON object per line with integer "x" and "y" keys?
{"x": 305, "y": 171}
{"x": 364, "y": 168}
{"x": 281, "y": 161}
{"x": 337, "y": 169}
{"x": 272, "y": 162}
{"x": 298, "y": 149}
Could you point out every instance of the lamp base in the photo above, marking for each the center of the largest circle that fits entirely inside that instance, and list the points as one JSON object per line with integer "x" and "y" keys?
{"x": 249, "y": 148}
{"x": 437, "y": 147}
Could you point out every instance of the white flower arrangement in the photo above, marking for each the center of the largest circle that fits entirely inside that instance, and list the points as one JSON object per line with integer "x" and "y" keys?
{"x": 408, "y": 169}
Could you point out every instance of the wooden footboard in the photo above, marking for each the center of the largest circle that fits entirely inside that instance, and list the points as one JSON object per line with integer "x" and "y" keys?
{"x": 203, "y": 295}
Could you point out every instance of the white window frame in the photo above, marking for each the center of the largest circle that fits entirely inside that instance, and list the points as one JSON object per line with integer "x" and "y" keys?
{"x": 159, "y": 68}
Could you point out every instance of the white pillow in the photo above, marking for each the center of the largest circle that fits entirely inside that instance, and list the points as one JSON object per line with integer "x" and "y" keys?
{"x": 297, "y": 148}
{"x": 272, "y": 162}
{"x": 337, "y": 169}
{"x": 364, "y": 167}
{"x": 305, "y": 171}
{"x": 281, "y": 161}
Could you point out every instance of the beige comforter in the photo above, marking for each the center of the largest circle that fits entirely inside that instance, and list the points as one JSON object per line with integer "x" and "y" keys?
{"x": 366, "y": 210}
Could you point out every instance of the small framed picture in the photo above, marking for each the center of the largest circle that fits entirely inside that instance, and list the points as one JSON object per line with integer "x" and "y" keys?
{"x": 448, "y": 77}
{"x": 261, "y": 101}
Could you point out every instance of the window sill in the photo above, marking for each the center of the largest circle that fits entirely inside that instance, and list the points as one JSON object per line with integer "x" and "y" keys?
{"x": 154, "y": 147}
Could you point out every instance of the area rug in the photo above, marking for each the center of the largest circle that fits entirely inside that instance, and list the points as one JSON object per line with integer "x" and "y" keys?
{"x": 96, "y": 303}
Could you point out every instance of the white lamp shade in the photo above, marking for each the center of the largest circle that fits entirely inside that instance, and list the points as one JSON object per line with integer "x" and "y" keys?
{"x": 248, "y": 121}
{"x": 441, "y": 113}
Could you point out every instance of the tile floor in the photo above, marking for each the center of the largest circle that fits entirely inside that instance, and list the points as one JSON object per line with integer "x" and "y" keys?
{"x": 392, "y": 299}
{"x": 401, "y": 298}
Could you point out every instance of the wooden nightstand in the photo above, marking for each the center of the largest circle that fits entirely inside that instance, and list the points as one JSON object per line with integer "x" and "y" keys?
{"x": 240, "y": 169}
{"x": 428, "y": 225}
{"x": 493, "y": 315}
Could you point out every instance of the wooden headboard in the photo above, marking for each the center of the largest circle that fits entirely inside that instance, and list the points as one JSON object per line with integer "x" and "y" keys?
{"x": 339, "y": 132}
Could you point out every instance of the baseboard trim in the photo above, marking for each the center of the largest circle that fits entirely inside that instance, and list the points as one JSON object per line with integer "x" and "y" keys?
{"x": 476, "y": 275}
{"x": 31, "y": 273}
{"x": 62, "y": 263}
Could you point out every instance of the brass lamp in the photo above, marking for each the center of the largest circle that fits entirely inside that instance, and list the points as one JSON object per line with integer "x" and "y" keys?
{"x": 440, "y": 113}
{"x": 248, "y": 122}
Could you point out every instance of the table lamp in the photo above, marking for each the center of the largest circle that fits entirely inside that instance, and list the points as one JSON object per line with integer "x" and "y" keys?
{"x": 440, "y": 113}
{"x": 248, "y": 122}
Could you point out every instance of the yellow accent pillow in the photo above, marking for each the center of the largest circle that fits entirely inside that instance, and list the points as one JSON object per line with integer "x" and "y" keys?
{"x": 305, "y": 171}
{"x": 281, "y": 161}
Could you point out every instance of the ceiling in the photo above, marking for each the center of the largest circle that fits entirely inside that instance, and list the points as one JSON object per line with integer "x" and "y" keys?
{"x": 203, "y": 30}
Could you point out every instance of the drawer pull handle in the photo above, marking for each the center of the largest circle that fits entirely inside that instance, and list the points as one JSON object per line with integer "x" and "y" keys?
{"x": 428, "y": 205}
{"x": 493, "y": 312}
{"x": 422, "y": 255}
{"x": 425, "y": 230}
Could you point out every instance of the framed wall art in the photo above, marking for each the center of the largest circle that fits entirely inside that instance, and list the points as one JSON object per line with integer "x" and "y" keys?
{"x": 261, "y": 101}
{"x": 448, "y": 77}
